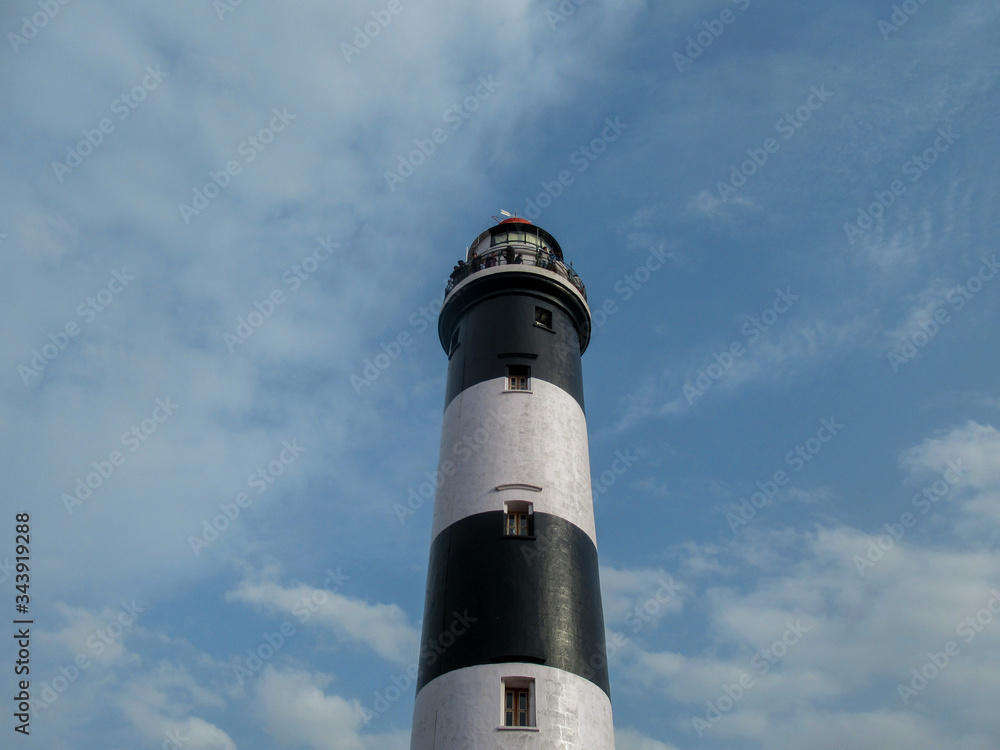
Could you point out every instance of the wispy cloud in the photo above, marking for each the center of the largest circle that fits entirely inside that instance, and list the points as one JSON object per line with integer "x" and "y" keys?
{"x": 384, "y": 628}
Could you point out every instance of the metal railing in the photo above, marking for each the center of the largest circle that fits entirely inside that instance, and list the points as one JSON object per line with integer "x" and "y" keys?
{"x": 515, "y": 254}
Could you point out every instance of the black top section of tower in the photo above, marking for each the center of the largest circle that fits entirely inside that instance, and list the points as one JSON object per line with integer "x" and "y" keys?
{"x": 491, "y": 322}
{"x": 498, "y": 599}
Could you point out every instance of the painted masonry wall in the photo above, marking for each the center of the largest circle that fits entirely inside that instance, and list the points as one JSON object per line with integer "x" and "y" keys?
{"x": 493, "y": 437}
{"x": 461, "y": 710}
{"x": 537, "y": 438}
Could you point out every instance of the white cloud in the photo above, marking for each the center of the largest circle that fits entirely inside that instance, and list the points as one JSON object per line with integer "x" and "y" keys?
{"x": 636, "y": 599}
{"x": 973, "y": 449}
{"x": 162, "y": 337}
{"x": 973, "y": 446}
{"x": 707, "y": 203}
{"x": 99, "y": 636}
{"x": 815, "y": 633}
{"x": 296, "y": 711}
{"x": 920, "y": 308}
{"x": 90, "y": 668}
{"x": 836, "y": 617}
{"x": 158, "y": 704}
{"x": 384, "y": 628}
{"x": 777, "y": 355}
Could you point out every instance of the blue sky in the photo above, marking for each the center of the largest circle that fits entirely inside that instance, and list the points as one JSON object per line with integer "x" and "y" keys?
{"x": 822, "y": 180}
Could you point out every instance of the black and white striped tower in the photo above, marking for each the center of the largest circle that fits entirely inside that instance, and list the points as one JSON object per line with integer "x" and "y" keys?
{"x": 513, "y": 649}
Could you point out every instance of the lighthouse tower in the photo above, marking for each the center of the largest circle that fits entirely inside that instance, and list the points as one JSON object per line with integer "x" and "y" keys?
{"x": 513, "y": 651}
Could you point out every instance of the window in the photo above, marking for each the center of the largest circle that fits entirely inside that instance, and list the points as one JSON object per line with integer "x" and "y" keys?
{"x": 543, "y": 317}
{"x": 521, "y": 237}
{"x": 516, "y": 712}
{"x": 517, "y": 518}
{"x": 517, "y": 524}
{"x": 454, "y": 343}
{"x": 518, "y": 702}
{"x": 518, "y": 378}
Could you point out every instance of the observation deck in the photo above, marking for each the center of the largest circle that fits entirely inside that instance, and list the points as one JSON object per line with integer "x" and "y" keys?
{"x": 515, "y": 258}
{"x": 514, "y": 242}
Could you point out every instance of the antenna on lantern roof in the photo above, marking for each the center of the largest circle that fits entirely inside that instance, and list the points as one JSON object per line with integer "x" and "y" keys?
{"x": 510, "y": 218}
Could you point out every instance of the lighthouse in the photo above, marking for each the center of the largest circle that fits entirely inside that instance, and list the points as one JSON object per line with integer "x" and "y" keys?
{"x": 513, "y": 649}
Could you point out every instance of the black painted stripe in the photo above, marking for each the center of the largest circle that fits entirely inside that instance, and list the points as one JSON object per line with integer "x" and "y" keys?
{"x": 496, "y": 328}
{"x": 493, "y": 598}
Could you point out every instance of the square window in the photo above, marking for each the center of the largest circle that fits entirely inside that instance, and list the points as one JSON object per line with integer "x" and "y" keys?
{"x": 543, "y": 317}
{"x": 517, "y": 524}
{"x": 518, "y": 378}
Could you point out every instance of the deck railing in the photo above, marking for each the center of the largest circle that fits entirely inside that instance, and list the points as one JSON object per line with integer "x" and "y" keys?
{"x": 515, "y": 254}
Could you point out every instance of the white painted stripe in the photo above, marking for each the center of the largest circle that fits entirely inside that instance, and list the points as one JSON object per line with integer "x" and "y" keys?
{"x": 463, "y": 709}
{"x": 492, "y": 437}
{"x": 519, "y": 268}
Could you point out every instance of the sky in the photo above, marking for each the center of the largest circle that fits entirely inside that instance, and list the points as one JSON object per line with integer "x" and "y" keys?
{"x": 226, "y": 228}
